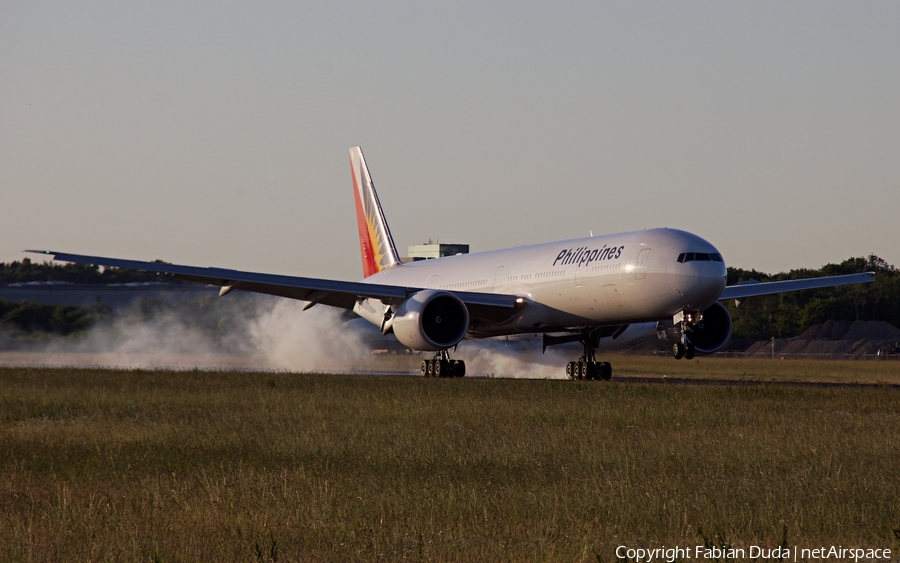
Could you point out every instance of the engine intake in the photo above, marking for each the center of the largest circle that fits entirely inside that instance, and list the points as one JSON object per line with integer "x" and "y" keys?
{"x": 708, "y": 335}
{"x": 431, "y": 320}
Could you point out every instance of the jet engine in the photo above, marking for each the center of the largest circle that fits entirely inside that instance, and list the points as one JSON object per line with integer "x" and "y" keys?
{"x": 431, "y": 320}
{"x": 708, "y": 335}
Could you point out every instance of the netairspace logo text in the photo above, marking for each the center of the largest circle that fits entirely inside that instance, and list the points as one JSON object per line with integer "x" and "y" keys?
{"x": 700, "y": 552}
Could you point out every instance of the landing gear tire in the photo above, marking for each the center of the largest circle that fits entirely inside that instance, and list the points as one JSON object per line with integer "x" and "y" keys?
{"x": 678, "y": 350}
{"x": 689, "y": 352}
{"x": 604, "y": 370}
{"x": 442, "y": 366}
{"x": 589, "y": 371}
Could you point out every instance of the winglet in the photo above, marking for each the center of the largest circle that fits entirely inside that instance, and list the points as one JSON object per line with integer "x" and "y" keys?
{"x": 375, "y": 243}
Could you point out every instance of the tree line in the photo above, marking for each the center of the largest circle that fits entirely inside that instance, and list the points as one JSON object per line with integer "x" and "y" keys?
{"x": 27, "y": 324}
{"x": 30, "y": 321}
{"x": 28, "y": 271}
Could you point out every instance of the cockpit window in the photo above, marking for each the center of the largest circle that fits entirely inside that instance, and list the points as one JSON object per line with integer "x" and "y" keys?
{"x": 699, "y": 257}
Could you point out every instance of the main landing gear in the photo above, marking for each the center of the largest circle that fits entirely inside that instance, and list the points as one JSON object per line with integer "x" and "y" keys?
{"x": 587, "y": 367}
{"x": 442, "y": 366}
{"x": 589, "y": 370}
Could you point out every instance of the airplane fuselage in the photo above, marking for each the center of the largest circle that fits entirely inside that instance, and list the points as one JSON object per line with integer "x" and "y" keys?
{"x": 611, "y": 279}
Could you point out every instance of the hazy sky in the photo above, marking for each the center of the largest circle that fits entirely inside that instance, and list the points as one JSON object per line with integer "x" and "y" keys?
{"x": 216, "y": 133}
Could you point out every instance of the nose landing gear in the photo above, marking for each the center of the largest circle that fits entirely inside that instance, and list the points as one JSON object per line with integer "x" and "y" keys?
{"x": 685, "y": 349}
{"x": 442, "y": 366}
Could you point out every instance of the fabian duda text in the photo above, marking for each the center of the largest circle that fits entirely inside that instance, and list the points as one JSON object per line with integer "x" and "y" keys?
{"x": 672, "y": 554}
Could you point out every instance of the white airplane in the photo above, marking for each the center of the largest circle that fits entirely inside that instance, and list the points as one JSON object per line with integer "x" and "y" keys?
{"x": 578, "y": 290}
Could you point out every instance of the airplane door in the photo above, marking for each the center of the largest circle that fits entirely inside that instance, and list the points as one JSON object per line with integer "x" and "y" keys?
{"x": 640, "y": 265}
{"x": 498, "y": 273}
{"x": 615, "y": 305}
{"x": 579, "y": 277}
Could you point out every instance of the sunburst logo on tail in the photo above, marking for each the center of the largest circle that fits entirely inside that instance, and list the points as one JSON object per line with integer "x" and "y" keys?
{"x": 375, "y": 243}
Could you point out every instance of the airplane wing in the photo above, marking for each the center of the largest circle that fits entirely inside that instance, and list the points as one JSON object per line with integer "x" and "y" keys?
{"x": 489, "y": 306}
{"x": 767, "y": 288}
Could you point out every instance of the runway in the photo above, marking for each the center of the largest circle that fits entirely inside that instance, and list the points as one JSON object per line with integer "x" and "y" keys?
{"x": 634, "y": 369}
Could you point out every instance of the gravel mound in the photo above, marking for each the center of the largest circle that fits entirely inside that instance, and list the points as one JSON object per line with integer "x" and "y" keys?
{"x": 832, "y": 338}
{"x": 852, "y": 330}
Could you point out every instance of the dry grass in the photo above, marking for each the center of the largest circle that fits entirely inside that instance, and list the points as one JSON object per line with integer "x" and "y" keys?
{"x": 180, "y": 466}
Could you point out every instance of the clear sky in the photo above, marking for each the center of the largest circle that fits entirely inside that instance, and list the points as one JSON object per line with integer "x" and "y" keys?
{"x": 216, "y": 133}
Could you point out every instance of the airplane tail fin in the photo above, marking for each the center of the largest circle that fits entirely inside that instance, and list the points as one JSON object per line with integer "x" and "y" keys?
{"x": 375, "y": 243}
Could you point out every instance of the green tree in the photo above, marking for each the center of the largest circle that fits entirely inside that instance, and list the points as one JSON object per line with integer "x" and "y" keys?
{"x": 28, "y": 271}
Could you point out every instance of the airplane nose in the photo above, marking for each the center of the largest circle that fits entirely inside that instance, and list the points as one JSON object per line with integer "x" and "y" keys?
{"x": 708, "y": 283}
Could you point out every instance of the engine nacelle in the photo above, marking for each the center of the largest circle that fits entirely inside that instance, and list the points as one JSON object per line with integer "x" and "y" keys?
{"x": 707, "y": 336}
{"x": 431, "y": 320}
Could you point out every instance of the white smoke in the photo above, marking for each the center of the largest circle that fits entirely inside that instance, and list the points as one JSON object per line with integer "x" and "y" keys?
{"x": 524, "y": 358}
{"x": 262, "y": 333}
{"x": 288, "y": 338}
{"x": 515, "y": 359}
{"x": 256, "y": 333}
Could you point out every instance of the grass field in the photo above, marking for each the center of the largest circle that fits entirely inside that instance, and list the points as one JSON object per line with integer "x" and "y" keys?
{"x": 103, "y": 465}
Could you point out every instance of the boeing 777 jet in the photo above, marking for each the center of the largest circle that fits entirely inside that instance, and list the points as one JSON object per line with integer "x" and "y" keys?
{"x": 578, "y": 290}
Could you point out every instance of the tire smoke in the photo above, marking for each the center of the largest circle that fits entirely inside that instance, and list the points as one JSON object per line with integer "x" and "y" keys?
{"x": 255, "y": 332}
